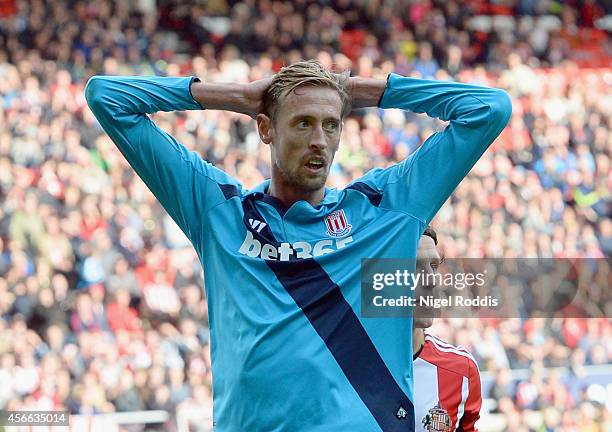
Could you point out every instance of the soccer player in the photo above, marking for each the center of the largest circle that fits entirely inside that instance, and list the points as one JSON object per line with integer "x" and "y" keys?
{"x": 447, "y": 393}
{"x": 290, "y": 351}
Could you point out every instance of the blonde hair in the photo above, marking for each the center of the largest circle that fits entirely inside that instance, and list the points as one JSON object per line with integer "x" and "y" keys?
{"x": 309, "y": 72}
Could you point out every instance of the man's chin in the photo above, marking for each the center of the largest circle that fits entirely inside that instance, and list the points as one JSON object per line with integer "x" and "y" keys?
{"x": 311, "y": 184}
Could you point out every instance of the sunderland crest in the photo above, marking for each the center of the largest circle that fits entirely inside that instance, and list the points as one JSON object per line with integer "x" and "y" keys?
{"x": 437, "y": 420}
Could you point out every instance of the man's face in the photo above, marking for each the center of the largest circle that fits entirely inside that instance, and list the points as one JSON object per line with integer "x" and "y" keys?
{"x": 428, "y": 261}
{"x": 304, "y": 137}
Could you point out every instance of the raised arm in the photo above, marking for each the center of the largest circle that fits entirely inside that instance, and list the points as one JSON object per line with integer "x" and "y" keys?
{"x": 240, "y": 98}
{"x": 185, "y": 185}
{"x": 366, "y": 92}
{"x": 420, "y": 184}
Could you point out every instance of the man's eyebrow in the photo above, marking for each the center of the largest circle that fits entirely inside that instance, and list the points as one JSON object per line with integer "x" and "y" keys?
{"x": 300, "y": 117}
{"x": 295, "y": 117}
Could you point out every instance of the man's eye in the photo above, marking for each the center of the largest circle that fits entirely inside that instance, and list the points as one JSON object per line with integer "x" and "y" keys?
{"x": 302, "y": 124}
{"x": 331, "y": 126}
{"x": 436, "y": 266}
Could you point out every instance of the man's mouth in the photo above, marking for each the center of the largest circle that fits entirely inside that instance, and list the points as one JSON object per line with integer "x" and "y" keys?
{"x": 315, "y": 164}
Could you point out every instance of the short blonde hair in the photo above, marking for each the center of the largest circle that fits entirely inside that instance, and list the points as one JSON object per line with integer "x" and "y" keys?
{"x": 309, "y": 72}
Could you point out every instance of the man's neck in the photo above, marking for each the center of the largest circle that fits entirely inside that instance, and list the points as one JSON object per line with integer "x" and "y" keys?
{"x": 289, "y": 195}
{"x": 418, "y": 339}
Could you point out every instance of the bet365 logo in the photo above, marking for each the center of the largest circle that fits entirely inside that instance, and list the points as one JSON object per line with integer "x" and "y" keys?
{"x": 300, "y": 250}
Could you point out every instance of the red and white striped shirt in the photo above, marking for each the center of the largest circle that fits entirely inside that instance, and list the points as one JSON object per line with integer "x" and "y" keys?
{"x": 447, "y": 376}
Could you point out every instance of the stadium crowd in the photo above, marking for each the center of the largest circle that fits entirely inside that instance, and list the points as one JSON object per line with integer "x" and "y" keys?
{"x": 101, "y": 297}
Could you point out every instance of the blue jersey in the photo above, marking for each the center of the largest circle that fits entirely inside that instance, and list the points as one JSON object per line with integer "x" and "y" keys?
{"x": 290, "y": 350}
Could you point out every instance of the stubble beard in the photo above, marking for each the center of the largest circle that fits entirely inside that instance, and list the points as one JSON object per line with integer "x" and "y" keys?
{"x": 301, "y": 181}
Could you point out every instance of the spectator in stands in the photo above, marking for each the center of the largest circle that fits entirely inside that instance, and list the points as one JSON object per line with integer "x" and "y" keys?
{"x": 120, "y": 315}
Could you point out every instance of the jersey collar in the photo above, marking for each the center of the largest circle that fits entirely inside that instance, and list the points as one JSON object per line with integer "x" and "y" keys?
{"x": 259, "y": 192}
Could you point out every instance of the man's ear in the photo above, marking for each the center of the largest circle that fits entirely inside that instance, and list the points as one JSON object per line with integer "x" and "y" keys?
{"x": 265, "y": 129}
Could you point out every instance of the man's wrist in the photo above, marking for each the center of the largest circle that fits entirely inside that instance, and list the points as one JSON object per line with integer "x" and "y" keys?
{"x": 191, "y": 83}
{"x": 220, "y": 96}
{"x": 366, "y": 92}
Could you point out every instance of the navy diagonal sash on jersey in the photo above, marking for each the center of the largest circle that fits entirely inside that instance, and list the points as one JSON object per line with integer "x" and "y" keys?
{"x": 336, "y": 323}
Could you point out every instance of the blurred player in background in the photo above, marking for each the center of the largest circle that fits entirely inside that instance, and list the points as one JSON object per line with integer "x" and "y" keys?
{"x": 447, "y": 393}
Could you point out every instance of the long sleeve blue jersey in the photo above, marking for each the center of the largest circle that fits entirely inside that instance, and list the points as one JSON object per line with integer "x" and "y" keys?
{"x": 290, "y": 350}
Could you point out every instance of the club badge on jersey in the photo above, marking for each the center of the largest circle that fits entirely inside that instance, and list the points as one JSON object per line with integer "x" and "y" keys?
{"x": 437, "y": 420}
{"x": 337, "y": 224}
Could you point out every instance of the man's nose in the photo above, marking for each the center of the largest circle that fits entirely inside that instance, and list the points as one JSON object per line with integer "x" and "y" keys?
{"x": 429, "y": 282}
{"x": 317, "y": 139}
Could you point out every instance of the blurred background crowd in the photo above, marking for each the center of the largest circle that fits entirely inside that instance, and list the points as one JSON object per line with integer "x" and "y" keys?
{"x": 102, "y": 303}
